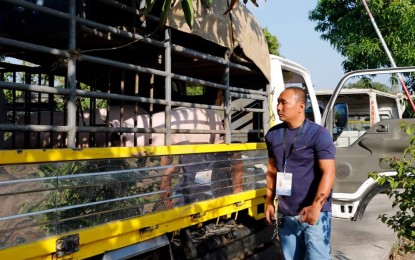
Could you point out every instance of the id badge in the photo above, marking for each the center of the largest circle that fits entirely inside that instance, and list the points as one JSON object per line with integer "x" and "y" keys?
{"x": 284, "y": 183}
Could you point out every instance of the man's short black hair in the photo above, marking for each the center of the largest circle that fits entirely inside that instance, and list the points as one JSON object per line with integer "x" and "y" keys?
{"x": 300, "y": 93}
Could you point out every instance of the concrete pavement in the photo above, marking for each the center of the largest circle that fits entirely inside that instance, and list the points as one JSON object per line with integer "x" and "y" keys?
{"x": 368, "y": 238}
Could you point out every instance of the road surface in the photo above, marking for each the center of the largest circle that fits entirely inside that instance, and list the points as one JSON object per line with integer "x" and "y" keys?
{"x": 368, "y": 238}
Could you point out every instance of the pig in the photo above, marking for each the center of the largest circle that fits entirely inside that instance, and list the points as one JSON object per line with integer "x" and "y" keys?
{"x": 57, "y": 140}
{"x": 188, "y": 118}
{"x": 182, "y": 118}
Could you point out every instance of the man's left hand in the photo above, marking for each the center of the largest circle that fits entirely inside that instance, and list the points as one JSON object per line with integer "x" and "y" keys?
{"x": 310, "y": 214}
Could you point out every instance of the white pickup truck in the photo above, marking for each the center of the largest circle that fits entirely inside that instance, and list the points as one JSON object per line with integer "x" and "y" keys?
{"x": 366, "y": 108}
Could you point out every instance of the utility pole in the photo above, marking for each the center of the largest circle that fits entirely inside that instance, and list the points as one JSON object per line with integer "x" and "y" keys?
{"x": 404, "y": 88}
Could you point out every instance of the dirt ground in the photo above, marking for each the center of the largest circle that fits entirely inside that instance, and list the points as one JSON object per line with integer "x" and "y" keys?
{"x": 397, "y": 254}
{"x": 408, "y": 256}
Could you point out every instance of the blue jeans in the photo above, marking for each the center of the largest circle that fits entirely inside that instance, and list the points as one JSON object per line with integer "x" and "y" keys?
{"x": 303, "y": 241}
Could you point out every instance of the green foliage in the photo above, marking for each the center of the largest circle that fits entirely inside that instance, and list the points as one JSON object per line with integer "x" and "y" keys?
{"x": 408, "y": 112}
{"x": 403, "y": 191}
{"x": 189, "y": 12}
{"x": 347, "y": 27}
{"x": 366, "y": 83}
{"x": 187, "y": 6}
{"x": 84, "y": 103}
{"x": 273, "y": 44}
{"x": 165, "y": 10}
{"x": 194, "y": 90}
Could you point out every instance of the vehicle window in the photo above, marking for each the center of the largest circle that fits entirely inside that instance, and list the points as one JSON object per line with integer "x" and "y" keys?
{"x": 309, "y": 110}
{"x": 358, "y": 123}
{"x": 384, "y": 116}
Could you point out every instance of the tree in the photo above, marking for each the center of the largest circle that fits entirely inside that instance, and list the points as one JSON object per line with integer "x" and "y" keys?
{"x": 408, "y": 112}
{"x": 366, "y": 83}
{"x": 273, "y": 44}
{"x": 346, "y": 26}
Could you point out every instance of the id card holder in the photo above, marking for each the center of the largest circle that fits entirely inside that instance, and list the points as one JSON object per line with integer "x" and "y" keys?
{"x": 284, "y": 183}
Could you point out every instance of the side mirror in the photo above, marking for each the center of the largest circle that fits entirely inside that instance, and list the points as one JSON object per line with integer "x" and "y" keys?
{"x": 341, "y": 115}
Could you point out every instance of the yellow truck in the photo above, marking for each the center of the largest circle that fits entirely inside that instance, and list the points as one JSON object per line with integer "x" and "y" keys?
{"x": 125, "y": 138}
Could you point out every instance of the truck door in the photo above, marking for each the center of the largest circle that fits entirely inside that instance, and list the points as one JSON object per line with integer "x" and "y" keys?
{"x": 286, "y": 73}
{"x": 353, "y": 188}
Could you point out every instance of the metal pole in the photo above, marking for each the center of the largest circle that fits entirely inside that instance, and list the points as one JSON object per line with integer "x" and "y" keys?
{"x": 3, "y": 116}
{"x": 167, "y": 82}
{"x": 227, "y": 101}
{"x": 404, "y": 88}
{"x": 72, "y": 78}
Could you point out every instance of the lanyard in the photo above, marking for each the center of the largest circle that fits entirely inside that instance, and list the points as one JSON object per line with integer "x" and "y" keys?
{"x": 284, "y": 165}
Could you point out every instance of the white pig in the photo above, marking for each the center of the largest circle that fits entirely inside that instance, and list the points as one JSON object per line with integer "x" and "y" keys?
{"x": 181, "y": 118}
{"x": 188, "y": 118}
{"x": 57, "y": 139}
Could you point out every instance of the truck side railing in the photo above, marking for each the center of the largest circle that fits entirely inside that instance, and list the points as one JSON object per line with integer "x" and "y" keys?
{"x": 69, "y": 93}
{"x": 54, "y": 198}
{"x": 79, "y": 161}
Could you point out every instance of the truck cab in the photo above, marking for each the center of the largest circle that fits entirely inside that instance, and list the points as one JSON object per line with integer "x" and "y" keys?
{"x": 286, "y": 73}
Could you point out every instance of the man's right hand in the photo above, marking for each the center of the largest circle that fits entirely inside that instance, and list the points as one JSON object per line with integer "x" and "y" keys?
{"x": 271, "y": 179}
{"x": 270, "y": 214}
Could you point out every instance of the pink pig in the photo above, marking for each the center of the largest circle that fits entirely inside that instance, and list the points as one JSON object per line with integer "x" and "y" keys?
{"x": 188, "y": 118}
{"x": 57, "y": 140}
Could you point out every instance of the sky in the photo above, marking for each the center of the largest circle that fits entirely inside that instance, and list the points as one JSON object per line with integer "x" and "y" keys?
{"x": 299, "y": 42}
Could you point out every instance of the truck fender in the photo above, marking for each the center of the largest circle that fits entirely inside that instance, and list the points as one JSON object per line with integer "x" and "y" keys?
{"x": 353, "y": 206}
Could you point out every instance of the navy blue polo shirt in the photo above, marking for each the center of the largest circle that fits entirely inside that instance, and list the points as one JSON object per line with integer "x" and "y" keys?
{"x": 313, "y": 143}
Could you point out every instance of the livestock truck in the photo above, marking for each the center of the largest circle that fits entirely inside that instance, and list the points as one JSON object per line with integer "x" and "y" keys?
{"x": 124, "y": 137}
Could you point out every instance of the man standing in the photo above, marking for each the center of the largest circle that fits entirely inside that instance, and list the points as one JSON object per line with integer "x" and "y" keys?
{"x": 301, "y": 172}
